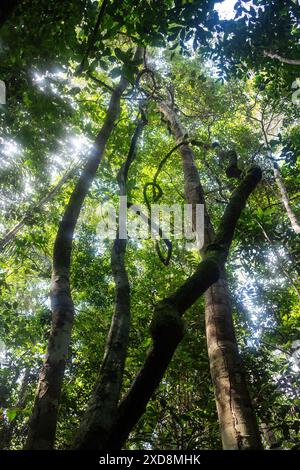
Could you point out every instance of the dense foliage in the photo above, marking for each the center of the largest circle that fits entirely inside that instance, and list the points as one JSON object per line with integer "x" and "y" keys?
{"x": 60, "y": 62}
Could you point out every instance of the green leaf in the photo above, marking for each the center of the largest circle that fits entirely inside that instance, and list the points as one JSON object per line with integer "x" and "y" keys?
{"x": 115, "y": 72}
{"x": 93, "y": 65}
{"x": 11, "y": 414}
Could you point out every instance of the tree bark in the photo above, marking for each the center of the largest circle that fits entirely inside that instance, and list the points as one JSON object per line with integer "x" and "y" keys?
{"x": 42, "y": 425}
{"x": 239, "y": 429}
{"x": 285, "y": 199}
{"x": 101, "y": 411}
{"x": 167, "y": 327}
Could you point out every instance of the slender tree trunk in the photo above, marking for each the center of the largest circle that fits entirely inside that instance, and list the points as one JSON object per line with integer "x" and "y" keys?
{"x": 285, "y": 199}
{"x": 42, "y": 425}
{"x": 292, "y": 277}
{"x": 101, "y": 411}
{"x": 239, "y": 429}
{"x": 10, "y": 235}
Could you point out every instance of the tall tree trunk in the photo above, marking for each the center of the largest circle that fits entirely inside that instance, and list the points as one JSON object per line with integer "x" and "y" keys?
{"x": 237, "y": 419}
{"x": 101, "y": 411}
{"x": 239, "y": 429}
{"x": 42, "y": 425}
{"x": 285, "y": 199}
{"x": 167, "y": 326}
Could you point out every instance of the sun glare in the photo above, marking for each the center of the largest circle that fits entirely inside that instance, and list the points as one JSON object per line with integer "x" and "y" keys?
{"x": 226, "y": 9}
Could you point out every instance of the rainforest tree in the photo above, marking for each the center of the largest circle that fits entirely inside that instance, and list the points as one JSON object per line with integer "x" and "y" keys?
{"x": 113, "y": 342}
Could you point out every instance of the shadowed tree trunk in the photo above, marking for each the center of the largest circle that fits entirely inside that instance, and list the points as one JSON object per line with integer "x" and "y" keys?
{"x": 42, "y": 425}
{"x": 239, "y": 429}
{"x": 101, "y": 411}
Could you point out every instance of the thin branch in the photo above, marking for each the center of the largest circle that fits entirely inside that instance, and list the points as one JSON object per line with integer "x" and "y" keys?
{"x": 285, "y": 60}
